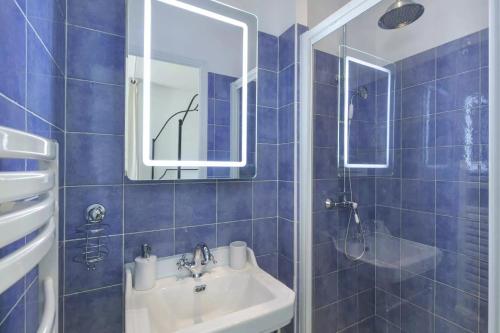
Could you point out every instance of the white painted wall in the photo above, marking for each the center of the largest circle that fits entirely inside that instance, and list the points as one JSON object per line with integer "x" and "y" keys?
{"x": 443, "y": 21}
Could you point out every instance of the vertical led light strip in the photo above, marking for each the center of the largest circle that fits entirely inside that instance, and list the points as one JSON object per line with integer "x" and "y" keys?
{"x": 146, "y": 126}
{"x": 346, "y": 114}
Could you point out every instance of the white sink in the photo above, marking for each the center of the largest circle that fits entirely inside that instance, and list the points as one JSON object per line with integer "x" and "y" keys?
{"x": 239, "y": 301}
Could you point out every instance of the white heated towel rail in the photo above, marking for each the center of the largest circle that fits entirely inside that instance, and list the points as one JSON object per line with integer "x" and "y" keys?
{"x": 29, "y": 206}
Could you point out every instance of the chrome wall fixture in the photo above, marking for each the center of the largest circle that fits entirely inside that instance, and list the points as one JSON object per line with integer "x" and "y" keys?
{"x": 94, "y": 249}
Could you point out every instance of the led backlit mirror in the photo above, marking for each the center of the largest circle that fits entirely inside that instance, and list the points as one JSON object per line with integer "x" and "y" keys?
{"x": 367, "y": 103}
{"x": 191, "y": 87}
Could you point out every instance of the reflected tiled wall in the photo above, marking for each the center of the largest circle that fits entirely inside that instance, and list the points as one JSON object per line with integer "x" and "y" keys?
{"x": 434, "y": 207}
{"x": 31, "y": 99}
{"x": 171, "y": 216}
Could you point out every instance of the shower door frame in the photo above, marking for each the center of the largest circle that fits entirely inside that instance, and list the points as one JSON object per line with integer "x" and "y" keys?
{"x": 332, "y": 23}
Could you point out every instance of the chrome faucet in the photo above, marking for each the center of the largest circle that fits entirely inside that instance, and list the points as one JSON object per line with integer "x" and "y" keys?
{"x": 201, "y": 258}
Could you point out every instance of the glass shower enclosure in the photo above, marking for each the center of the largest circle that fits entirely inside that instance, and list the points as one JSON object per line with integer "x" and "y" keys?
{"x": 394, "y": 170}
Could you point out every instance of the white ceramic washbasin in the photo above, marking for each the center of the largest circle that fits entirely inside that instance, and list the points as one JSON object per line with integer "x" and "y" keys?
{"x": 238, "y": 301}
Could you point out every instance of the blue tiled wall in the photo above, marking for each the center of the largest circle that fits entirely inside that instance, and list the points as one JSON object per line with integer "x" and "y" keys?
{"x": 160, "y": 213}
{"x": 344, "y": 290}
{"x": 436, "y": 202}
{"x": 32, "y": 64}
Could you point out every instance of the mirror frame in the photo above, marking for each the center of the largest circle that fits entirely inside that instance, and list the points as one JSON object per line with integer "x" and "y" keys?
{"x": 146, "y": 126}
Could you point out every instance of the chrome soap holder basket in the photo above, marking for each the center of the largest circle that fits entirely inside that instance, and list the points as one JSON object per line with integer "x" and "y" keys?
{"x": 95, "y": 248}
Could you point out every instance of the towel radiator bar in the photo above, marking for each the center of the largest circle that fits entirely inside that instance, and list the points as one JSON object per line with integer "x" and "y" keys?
{"x": 29, "y": 206}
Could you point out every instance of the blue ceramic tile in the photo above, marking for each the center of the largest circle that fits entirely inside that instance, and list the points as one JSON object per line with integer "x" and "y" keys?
{"x": 285, "y": 271}
{"x": 79, "y": 198}
{"x": 445, "y": 326}
{"x": 418, "y": 290}
{"x": 325, "y": 163}
{"x": 419, "y": 68}
{"x": 50, "y": 10}
{"x": 418, "y": 100}
{"x": 457, "y": 306}
{"x": 483, "y": 316}
{"x": 161, "y": 242}
{"x": 37, "y": 126}
{"x": 267, "y": 156}
{"x": 94, "y": 159}
{"x": 93, "y": 107}
{"x": 268, "y": 51}
{"x": 389, "y": 192}
{"x": 414, "y": 319}
{"x": 45, "y": 98}
{"x": 325, "y": 131}
{"x": 267, "y": 125}
{"x": 222, "y": 86}
{"x": 39, "y": 60}
{"x": 458, "y": 128}
{"x": 418, "y": 227}
{"x": 269, "y": 263}
{"x": 189, "y": 214}
{"x": 286, "y": 162}
{"x": 13, "y": 52}
{"x": 222, "y": 138}
{"x": 347, "y": 284}
{"x": 52, "y": 35}
{"x": 265, "y": 199}
{"x": 418, "y": 132}
{"x": 211, "y": 137}
{"x": 286, "y": 86}
{"x": 285, "y": 238}
{"x": 210, "y": 78}
{"x": 108, "y": 272}
{"x": 32, "y": 305}
{"x": 95, "y": 56}
{"x": 104, "y": 15}
{"x": 287, "y": 48}
{"x": 325, "y": 290}
{"x": 267, "y": 89}
{"x": 325, "y": 318}
{"x": 324, "y": 259}
{"x": 187, "y": 238}
{"x": 13, "y": 116}
{"x": 457, "y": 198}
{"x": 419, "y": 163}
{"x": 234, "y": 201}
{"x": 347, "y": 310}
{"x": 222, "y": 113}
{"x": 458, "y": 163}
{"x": 459, "y": 55}
{"x": 418, "y": 195}
{"x": 458, "y": 92}
{"x": 285, "y": 200}
{"x": 234, "y": 231}
{"x": 286, "y": 124}
{"x": 388, "y": 220}
{"x": 15, "y": 322}
{"x": 103, "y": 311}
{"x": 325, "y": 188}
{"x": 325, "y": 100}
{"x": 265, "y": 236}
{"x": 326, "y": 67}
{"x": 388, "y": 307}
{"x": 9, "y": 297}
{"x": 148, "y": 207}
{"x": 458, "y": 271}
{"x": 457, "y": 235}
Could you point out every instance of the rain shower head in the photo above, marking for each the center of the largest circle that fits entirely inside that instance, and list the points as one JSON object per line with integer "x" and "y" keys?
{"x": 400, "y": 14}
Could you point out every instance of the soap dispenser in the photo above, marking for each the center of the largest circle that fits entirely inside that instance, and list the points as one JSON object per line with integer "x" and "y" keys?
{"x": 145, "y": 269}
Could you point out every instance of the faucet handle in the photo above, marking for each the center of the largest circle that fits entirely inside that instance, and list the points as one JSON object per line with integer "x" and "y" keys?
{"x": 182, "y": 262}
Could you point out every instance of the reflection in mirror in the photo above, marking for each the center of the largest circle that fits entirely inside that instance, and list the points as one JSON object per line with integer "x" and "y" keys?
{"x": 198, "y": 81}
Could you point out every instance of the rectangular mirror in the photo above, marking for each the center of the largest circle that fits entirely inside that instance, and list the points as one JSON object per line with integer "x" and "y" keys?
{"x": 190, "y": 90}
{"x": 367, "y": 103}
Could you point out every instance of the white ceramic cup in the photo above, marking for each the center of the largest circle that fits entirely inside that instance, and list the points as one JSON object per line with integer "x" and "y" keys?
{"x": 237, "y": 254}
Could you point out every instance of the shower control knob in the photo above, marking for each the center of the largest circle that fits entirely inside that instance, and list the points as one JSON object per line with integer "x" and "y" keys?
{"x": 329, "y": 203}
{"x": 95, "y": 213}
